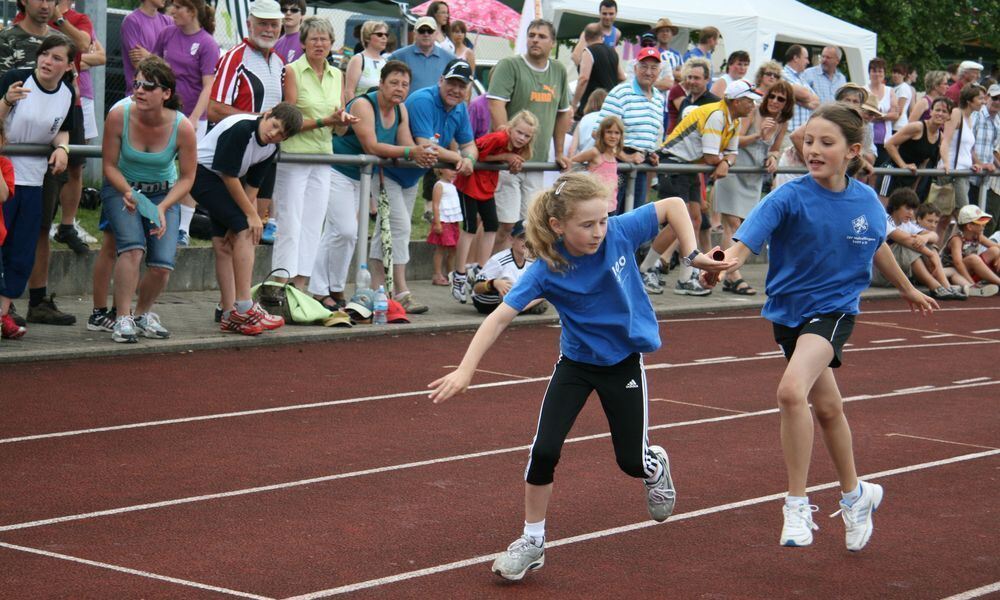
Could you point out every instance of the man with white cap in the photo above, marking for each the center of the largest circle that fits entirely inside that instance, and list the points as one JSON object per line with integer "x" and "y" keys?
{"x": 425, "y": 59}
{"x": 248, "y": 80}
{"x": 968, "y": 72}
{"x": 986, "y": 127}
{"x": 707, "y": 135}
{"x": 640, "y": 107}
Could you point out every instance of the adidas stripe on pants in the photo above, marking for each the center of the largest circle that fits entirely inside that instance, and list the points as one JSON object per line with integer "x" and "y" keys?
{"x": 622, "y": 391}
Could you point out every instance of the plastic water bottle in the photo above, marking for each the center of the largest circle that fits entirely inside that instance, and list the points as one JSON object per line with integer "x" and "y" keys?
{"x": 362, "y": 279}
{"x": 381, "y": 312}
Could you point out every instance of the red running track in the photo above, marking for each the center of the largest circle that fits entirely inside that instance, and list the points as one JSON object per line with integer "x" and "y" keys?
{"x": 327, "y": 473}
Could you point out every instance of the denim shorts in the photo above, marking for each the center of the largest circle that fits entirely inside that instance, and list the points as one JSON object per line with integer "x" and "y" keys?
{"x": 132, "y": 230}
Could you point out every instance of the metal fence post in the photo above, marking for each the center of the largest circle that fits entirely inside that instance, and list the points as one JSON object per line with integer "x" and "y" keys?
{"x": 984, "y": 187}
{"x": 630, "y": 189}
{"x": 364, "y": 195}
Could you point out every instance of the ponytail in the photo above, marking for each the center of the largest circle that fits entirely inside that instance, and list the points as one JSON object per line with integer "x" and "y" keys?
{"x": 558, "y": 202}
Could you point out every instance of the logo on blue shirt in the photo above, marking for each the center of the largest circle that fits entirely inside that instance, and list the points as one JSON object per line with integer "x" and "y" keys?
{"x": 616, "y": 268}
{"x": 860, "y": 224}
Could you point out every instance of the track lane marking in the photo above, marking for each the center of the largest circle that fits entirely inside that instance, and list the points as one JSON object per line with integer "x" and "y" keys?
{"x": 987, "y": 331}
{"x": 972, "y": 380}
{"x": 919, "y": 330}
{"x": 867, "y": 312}
{"x": 729, "y": 410}
{"x": 137, "y": 572}
{"x": 396, "y": 395}
{"x": 427, "y": 462}
{"x": 371, "y": 583}
{"x": 888, "y": 341}
{"x": 491, "y": 372}
{"x": 930, "y": 439}
{"x": 976, "y": 593}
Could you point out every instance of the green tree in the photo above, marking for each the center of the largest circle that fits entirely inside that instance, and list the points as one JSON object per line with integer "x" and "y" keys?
{"x": 923, "y": 34}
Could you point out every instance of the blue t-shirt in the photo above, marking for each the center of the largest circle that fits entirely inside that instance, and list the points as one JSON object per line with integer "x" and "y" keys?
{"x": 822, "y": 245}
{"x": 428, "y": 116}
{"x": 606, "y": 314}
{"x": 425, "y": 69}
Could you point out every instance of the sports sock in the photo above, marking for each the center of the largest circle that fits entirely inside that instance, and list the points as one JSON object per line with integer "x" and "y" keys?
{"x": 535, "y": 532}
{"x": 849, "y": 498}
{"x": 35, "y": 296}
{"x": 652, "y": 258}
{"x": 272, "y": 221}
{"x": 242, "y": 306}
{"x": 796, "y": 500}
{"x": 187, "y": 213}
{"x": 685, "y": 273}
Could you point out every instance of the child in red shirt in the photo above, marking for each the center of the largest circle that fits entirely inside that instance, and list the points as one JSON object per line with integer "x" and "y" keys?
{"x": 8, "y": 329}
{"x": 510, "y": 144}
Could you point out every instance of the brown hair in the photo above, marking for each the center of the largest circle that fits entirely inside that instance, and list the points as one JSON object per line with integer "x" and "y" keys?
{"x": 203, "y": 12}
{"x": 849, "y": 121}
{"x": 558, "y": 203}
{"x": 596, "y": 100}
{"x": 708, "y": 33}
{"x": 607, "y": 123}
{"x": 876, "y": 63}
{"x": 155, "y": 69}
{"x": 970, "y": 92}
{"x": 394, "y": 66}
{"x": 789, "y": 109}
{"x": 290, "y": 117}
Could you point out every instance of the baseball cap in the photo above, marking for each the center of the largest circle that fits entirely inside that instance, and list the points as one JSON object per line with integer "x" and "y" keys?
{"x": 266, "y": 9}
{"x": 647, "y": 53}
{"x": 425, "y": 22}
{"x": 396, "y": 313}
{"x": 458, "y": 69}
{"x": 741, "y": 88}
{"x": 518, "y": 229}
{"x": 665, "y": 22}
{"x": 994, "y": 91}
{"x": 647, "y": 39}
{"x": 338, "y": 318}
{"x": 358, "y": 311}
{"x": 971, "y": 213}
{"x": 967, "y": 65}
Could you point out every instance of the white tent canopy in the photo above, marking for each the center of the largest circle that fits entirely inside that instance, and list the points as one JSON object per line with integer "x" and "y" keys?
{"x": 751, "y": 25}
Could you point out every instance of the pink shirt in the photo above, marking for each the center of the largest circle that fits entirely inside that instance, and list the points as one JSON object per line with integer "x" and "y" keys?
{"x": 608, "y": 172}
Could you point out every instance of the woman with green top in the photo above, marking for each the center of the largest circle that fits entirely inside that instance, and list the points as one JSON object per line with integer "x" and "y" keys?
{"x": 380, "y": 127}
{"x": 142, "y": 139}
{"x": 314, "y": 86}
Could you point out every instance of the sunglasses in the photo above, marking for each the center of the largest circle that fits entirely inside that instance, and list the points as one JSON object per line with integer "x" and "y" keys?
{"x": 291, "y": 10}
{"x": 779, "y": 98}
{"x": 148, "y": 86}
{"x": 425, "y": 30}
{"x": 771, "y": 74}
{"x": 380, "y": 34}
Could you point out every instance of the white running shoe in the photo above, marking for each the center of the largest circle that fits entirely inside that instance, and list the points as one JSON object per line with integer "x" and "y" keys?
{"x": 125, "y": 331}
{"x": 661, "y": 496}
{"x": 799, "y": 525}
{"x": 149, "y": 325}
{"x": 458, "y": 283}
{"x": 521, "y": 556}
{"x": 858, "y": 525}
{"x": 651, "y": 281}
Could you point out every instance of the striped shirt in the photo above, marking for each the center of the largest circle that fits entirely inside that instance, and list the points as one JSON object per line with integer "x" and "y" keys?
{"x": 987, "y": 131}
{"x": 800, "y": 114}
{"x": 706, "y": 130}
{"x": 247, "y": 80}
{"x": 825, "y": 87}
{"x": 643, "y": 117}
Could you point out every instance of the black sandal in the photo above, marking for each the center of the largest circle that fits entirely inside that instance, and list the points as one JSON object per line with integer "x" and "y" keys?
{"x": 734, "y": 287}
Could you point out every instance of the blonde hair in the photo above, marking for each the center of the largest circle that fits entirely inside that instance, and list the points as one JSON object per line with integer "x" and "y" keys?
{"x": 606, "y": 124}
{"x": 528, "y": 119}
{"x": 369, "y": 28}
{"x": 769, "y": 65}
{"x": 558, "y": 202}
{"x": 696, "y": 62}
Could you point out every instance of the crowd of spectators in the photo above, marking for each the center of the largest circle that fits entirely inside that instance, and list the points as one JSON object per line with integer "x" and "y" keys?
{"x": 278, "y": 85}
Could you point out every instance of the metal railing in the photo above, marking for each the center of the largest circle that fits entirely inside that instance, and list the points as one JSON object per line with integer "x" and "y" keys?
{"x": 368, "y": 162}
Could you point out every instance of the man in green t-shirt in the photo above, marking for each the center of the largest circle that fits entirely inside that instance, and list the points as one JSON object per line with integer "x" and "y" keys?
{"x": 529, "y": 82}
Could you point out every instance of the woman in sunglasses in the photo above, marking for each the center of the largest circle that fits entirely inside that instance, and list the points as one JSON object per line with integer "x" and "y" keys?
{"x": 289, "y": 47}
{"x": 142, "y": 140}
{"x": 365, "y": 67}
{"x": 761, "y": 135}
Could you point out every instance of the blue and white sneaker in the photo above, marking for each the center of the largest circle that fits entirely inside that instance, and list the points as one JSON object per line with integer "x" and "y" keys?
{"x": 270, "y": 231}
{"x": 149, "y": 326}
{"x": 125, "y": 330}
{"x": 799, "y": 525}
{"x": 183, "y": 238}
{"x": 857, "y": 517}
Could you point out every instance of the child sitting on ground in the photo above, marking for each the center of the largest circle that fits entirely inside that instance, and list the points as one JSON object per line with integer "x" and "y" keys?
{"x": 501, "y": 272}
{"x": 910, "y": 245}
{"x": 974, "y": 270}
{"x": 447, "y": 213}
{"x": 602, "y": 158}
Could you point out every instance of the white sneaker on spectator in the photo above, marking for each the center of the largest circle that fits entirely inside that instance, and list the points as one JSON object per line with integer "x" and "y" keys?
{"x": 149, "y": 326}
{"x": 458, "y": 283}
{"x": 125, "y": 330}
{"x": 982, "y": 290}
{"x": 691, "y": 286}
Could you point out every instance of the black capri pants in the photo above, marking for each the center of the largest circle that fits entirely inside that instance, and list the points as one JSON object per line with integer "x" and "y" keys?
{"x": 484, "y": 209}
{"x": 622, "y": 390}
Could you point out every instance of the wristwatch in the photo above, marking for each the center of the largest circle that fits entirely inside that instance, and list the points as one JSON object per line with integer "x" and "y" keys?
{"x": 730, "y": 163}
{"x": 686, "y": 260}
{"x": 59, "y": 22}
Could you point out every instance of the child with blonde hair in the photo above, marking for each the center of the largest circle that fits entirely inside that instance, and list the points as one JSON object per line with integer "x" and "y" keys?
{"x": 581, "y": 253}
{"x": 602, "y": 158}
{"x": 511, "y": 144}
{"x": 446, "y": 215}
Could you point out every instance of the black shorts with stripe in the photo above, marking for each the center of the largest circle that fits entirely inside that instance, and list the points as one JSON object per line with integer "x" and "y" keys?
{"x": 835, "y": 328}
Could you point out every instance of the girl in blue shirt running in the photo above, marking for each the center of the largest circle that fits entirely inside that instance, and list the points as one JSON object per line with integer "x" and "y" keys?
{"x": 587, "y": 270}
{"x": 824, "y": 231}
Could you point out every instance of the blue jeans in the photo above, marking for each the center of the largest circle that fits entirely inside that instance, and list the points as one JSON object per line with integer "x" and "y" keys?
{"x": 131, "y": 230}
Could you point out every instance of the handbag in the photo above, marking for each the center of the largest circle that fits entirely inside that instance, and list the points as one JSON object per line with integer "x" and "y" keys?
{"x": 273, "y": 295}
{"x": 942, "y": 192}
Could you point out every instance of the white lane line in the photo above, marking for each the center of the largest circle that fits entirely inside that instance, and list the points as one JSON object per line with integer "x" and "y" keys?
{"x": 914, "y": 389}
{"x": 771, "y": 353}
{"x": 728, "y": 410}
{"x": 930, "y": 439}
{"x": 491, "y": 372}
{"x": 478, "y": 386}
{"x": 428, "y": 462}
{"x": 147, "y": 574}
{"x": 714, "y": 359}
{"x": 973, "y": 380}
{"x": 888, "y": 341}
{"x": 987, "y": 331}
{"x": 867, "y": 312}
{"x": 938, "y": 335}
{"x": 976, "y": 593}
{"x": 371, "y": 583}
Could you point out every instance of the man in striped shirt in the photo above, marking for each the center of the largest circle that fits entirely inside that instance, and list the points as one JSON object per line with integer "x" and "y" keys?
{"x": 640, "y": 106}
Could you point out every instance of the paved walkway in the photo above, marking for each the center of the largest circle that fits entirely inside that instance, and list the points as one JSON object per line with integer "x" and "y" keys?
{"x": 189, "y": 315}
